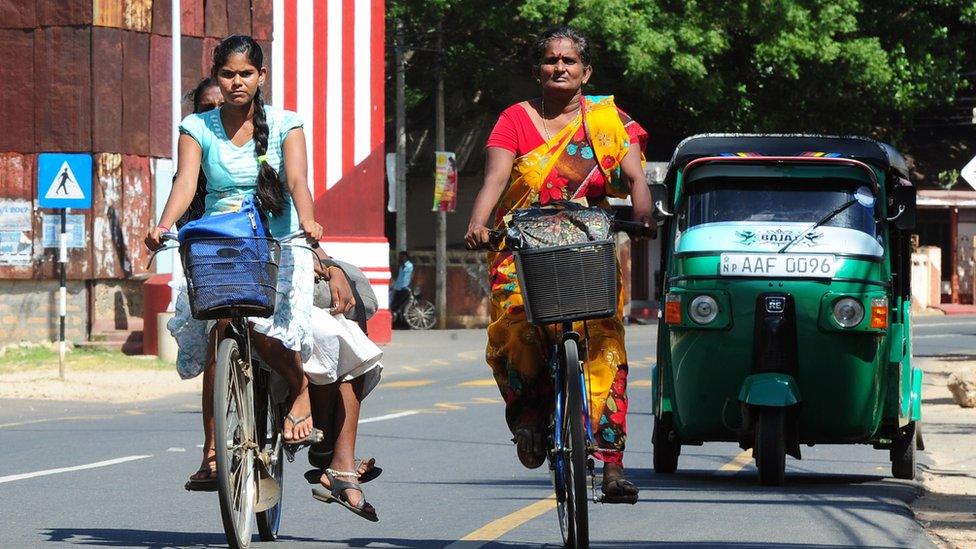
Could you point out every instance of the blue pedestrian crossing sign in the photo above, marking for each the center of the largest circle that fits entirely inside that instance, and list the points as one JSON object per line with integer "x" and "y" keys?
{"x": 64, "y": 180}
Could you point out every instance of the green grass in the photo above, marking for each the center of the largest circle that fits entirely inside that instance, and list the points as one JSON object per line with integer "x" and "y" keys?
{"x": 79, "y": 359}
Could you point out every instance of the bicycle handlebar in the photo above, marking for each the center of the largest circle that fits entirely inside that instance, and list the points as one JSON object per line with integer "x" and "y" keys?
{"x": 633, "y": 228}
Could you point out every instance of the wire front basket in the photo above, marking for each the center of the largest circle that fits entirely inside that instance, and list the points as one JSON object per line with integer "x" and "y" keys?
{"x": 568, "y": 283}
{"x": 231, "y": 277}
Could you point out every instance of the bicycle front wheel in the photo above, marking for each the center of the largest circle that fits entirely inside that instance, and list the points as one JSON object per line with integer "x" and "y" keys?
{"x": 576, "y": 530}
{"x": 235, "y": 442}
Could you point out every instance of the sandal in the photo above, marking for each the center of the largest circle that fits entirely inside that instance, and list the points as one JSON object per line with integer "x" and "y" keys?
{"x": 371, "y": 472}
{"x": 206, "y": 484}
{"x": 337, "y": 494}
{"x": 617, "y": 489}
{"x": 314, "y": 435}
{"x": 530, "y": 445}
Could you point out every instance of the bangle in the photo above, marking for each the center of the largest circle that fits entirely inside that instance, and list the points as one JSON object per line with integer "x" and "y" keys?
{"x": 163, "y": 227}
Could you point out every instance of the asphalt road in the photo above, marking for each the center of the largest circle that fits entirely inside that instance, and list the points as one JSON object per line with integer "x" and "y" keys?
{"x": 112, "y": 475}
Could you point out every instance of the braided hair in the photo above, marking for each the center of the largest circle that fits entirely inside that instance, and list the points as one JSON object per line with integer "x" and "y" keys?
{"x": 270, "y": 190}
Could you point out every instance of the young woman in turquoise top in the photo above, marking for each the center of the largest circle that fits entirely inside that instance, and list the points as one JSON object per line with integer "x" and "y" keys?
{"x": 246, "y": 147}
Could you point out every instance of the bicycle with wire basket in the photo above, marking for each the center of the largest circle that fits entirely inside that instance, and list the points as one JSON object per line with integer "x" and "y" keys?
{"x": 561, "y": 285}
{"x": 232, "y": 279}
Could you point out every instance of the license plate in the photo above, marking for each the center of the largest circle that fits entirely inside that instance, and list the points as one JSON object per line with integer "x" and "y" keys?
{"x": 778, "y": 265}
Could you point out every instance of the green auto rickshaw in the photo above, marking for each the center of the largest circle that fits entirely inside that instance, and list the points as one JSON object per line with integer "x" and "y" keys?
{"x": 785, "y": 291}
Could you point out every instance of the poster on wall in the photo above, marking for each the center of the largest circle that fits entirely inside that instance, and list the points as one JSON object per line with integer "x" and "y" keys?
{"x": 445, "y": 182}
{"x": 15, "y": 232}
{"x": 74, "y": 226}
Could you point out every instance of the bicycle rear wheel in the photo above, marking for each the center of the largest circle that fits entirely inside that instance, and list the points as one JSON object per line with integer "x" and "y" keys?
{"x": 420, "y": 314}
{"x": 270, "y": 417}
{"x": 235, "y": 441}
{"x": 571, "y": 472}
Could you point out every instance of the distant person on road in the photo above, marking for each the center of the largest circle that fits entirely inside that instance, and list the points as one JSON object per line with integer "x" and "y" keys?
{"x": 401, "y": 287}
{"x": 558, "y": 146}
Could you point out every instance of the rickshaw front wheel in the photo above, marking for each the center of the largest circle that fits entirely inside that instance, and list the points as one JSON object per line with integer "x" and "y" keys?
{"x": 903, "y": 463}
{"x": 666, "y": 445}
{"x": 770, "y": 448}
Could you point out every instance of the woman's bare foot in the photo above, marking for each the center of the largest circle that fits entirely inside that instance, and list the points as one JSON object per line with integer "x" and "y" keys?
{"x": 298, "y": 422}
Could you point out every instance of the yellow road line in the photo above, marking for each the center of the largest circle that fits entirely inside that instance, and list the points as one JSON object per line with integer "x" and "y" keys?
{"x": 448, "y": 406}
{"x": 640, "y": 383}
{"x": 737, "y": 464}
{"x": 478, "y": 383}
{"x": 407, "y": 384}
{"x": 499, "y": 527}
{"x": 471, "y": 355}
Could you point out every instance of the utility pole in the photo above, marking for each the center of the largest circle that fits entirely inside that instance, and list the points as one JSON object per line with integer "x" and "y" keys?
{"x": 441, "y": 246}
{"x": 401, "y": 140}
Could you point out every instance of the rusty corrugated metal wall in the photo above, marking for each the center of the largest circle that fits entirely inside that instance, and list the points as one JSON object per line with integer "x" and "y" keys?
{"x": 92, "y": 76}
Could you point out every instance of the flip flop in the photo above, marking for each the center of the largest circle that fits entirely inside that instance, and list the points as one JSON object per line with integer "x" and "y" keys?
{"x": 315, "y": 435}
{"x": 619, "y": 490}
{"x": 337, "y": 494}
{"x": 208, "y": 484}
{"x": 530, "y": 446}
{"x": 313, "y": 475}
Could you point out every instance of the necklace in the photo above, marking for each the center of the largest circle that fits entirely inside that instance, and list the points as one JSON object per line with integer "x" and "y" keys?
{"x": 545, "y": 116}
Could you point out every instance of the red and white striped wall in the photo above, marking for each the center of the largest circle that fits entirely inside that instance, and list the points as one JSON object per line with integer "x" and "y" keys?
{"x": 328, "y": 65}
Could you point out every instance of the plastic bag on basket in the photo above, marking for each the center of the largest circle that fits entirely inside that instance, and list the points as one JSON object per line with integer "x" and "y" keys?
{"x": 231, "y": 263}
{"x": 566, "y": 223}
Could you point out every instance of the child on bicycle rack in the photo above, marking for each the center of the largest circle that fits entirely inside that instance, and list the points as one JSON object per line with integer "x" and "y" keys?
{"x": 245, "y": 147}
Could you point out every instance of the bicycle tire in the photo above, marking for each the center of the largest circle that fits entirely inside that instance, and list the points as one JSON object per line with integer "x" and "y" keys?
{"x": 234, "y": 431}
{"x": 420, "y": 314}
{"x": 576, "y": 431}
{"x": 270, "y": 440}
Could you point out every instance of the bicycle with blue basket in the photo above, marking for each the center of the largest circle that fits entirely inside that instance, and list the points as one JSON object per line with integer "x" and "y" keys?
{"x": 561, "y": 285}
{"x": 231, "y": 266}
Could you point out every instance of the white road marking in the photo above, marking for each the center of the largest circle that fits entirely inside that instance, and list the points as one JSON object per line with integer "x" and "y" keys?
{"x": 174, "y": 449}
{"x": 931, "y": 336}
{"x": 918, "y": 326}
{"x": 22, "y": 476}
{"x": 389, "y": 416}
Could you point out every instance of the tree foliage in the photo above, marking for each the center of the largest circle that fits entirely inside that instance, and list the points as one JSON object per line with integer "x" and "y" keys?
{"x": 837, "y": 66}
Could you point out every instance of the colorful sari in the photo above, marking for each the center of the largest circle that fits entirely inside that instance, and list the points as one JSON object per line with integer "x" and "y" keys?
{"x": 564, "y": 168}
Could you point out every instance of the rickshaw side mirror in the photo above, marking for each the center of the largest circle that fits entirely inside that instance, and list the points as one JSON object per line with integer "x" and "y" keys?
{"x": 660, "y": 196}
{"x": 901, "y": 205}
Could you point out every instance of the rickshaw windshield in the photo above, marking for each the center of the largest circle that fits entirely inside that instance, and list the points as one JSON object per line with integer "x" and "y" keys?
{"x": 775, "y": 201}
{"x": 773, "y": 211}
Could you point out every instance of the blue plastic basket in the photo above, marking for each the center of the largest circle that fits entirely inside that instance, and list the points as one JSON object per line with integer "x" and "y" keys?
{"x": 231, "y": 277}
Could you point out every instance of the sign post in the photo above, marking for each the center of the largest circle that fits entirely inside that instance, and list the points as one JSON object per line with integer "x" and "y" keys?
{"x": 63, "y": 181}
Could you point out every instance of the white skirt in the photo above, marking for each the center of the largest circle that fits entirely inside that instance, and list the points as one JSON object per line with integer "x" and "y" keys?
{"x": 290, "y": 324}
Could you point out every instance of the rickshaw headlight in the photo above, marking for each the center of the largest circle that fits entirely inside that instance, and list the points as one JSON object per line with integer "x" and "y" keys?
{"x": 848, "y": 312}
{"x": 703, "y": 309}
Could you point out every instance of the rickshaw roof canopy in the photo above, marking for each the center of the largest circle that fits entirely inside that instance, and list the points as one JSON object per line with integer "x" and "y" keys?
{"x": 869, "y": 151}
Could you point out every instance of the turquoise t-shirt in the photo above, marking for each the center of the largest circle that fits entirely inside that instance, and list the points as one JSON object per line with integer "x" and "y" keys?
{"x": 232, "y": 171}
